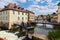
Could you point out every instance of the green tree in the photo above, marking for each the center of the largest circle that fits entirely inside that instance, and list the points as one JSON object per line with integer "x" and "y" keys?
{"x": 41, "y": 15}
{"x": 48, "y": 18}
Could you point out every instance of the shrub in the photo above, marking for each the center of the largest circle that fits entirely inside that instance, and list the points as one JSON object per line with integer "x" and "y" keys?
{"x": 4, "y": 26}
{"x": 33, "y": 24}
{"x": 54, "y": 35}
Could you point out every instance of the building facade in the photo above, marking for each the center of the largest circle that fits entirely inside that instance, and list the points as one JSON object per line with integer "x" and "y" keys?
{"x": 58, "y": 12}
{"x": 31, "y": 16}
{"x": 54, "y": 17}
{"x": 13, "y": 14}
{"x": 40, "y": 17}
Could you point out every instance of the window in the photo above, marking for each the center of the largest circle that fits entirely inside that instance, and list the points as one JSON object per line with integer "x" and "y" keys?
{"x": 0, "y": 13}
{"x": 3, "y": 18}
{"x": 18, "y": 18}
{"x": 25, "y": 17}
{"x": 0, "y": 17}
{"x": 22, "y": 18}
{"x": 15, "y": 7}
{"x": 18, "y": 7}
{"x": 6, "y": 18}
{"x": 13, "y": 12}
{"x": 6, "y": 12}
{"x": 22, "y": 13}
{"x": 3, "y": 12}
{"x": 18, "y": 13}
{"x": 25, "y": 13}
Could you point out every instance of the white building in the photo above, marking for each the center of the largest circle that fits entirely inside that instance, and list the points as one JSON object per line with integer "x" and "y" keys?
{"x": 13, "y": 14}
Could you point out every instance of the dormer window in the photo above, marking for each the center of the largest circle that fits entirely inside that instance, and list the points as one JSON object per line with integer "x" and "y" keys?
{"x": 14, "y": 6}
{"x": 22, "y": 9}
{"x": 18, "y": 7}
{"x": 5, "y": 6}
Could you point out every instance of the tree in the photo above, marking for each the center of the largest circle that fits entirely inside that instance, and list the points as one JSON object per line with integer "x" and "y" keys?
{"x": 48, "y": 18}
{"x": 54, "y": 35}
{"x": 41, "y": 15}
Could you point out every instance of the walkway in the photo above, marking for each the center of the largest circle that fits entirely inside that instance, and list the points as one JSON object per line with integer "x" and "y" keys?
{"x": 40, "y": 36}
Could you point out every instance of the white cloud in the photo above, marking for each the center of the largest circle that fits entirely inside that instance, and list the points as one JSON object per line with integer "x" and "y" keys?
{"x": 49, "y": 1}
{"x": 41, "y": 1}
{"x": 40, "y": 9}
{"x": 50, "y": 8}
{"x": 22, "y": 1}
{"x": 35, "y": 1}
{"x": 38, "y": 0}
{"x": 5, "y": 2}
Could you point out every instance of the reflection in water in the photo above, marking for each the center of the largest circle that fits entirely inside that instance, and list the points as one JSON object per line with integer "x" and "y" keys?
{"x": 49, "y": 26}
{"x": 40, "y": 29}
{"x": 46, "y": 25}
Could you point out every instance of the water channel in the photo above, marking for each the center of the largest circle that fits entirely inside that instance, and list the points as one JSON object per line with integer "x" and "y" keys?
{"x": 43, "y": 30}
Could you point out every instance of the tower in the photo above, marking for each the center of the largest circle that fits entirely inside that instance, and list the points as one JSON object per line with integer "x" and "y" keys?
{"x": 58, "y": 12}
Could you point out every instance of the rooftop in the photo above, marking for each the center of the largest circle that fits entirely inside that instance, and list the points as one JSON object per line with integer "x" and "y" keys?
{"x": 14, "y": 6}
{"x": 1, "y": 9}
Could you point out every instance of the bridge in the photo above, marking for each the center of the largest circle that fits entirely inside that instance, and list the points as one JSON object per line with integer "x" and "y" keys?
{"x": 35, "y": 36}
{"x": 46, "y": 23}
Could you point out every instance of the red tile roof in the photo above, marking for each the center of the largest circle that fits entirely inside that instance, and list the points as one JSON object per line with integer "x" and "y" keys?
{"x": 1, "y": 9}
{"x": 11, "y": 6}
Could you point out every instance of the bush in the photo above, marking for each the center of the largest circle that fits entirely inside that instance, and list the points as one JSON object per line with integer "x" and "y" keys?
{"x": 33, "y": 24}
{"x": 20, "y": 34}
{"x": 54, "y": 35}
{"x": 4, "y": 26}
{"x": 14, "y": 30}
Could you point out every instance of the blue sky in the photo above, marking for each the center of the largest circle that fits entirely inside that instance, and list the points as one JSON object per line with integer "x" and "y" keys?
{"x": 39, "y": 7}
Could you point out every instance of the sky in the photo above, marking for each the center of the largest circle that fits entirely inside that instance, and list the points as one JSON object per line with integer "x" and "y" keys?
{"x": 39, "y": 7}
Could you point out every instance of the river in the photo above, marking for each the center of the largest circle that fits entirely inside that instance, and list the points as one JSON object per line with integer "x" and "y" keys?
{"x": 43, "y": 30}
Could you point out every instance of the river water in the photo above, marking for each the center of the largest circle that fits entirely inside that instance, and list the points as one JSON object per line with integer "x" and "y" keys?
{"x": 41, "y": 30}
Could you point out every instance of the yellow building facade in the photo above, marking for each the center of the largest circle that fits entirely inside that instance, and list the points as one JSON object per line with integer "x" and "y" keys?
{"x": 31, "y": 17}
{"x": 13, "y": 14}
{"x": 58, "y": 12}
